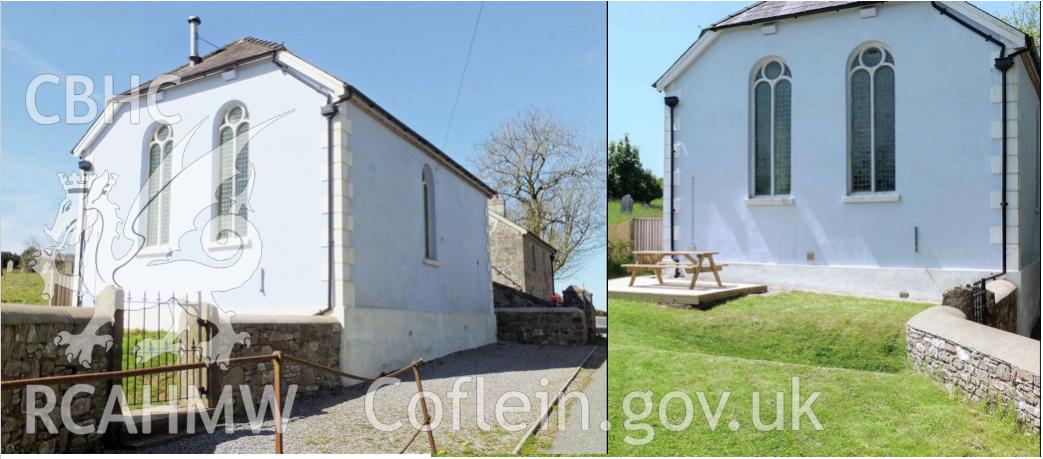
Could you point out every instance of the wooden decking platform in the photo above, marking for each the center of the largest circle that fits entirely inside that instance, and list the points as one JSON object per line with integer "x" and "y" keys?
{"x": 676, "y": 291}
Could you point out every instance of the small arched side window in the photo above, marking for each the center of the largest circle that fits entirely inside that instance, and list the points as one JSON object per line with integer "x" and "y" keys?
{"x": 871, "y": 105}
{"x": 160, "y": 147}
{"x": 772, "y": 93}
{"x": 233, "y": 172}
{"x": 427, "y": 179}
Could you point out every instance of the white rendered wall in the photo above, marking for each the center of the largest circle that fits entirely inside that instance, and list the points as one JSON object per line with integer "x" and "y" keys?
{"x": 944, "y": 147}
{"x": 403, "y": 307}
{"x": 287, "y": 196}
{"x": 388, "y": 235}
{"x": 1024, "y": 155}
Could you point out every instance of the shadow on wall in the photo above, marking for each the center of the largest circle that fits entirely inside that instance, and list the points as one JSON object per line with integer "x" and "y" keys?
{"x": 794, "y": 235}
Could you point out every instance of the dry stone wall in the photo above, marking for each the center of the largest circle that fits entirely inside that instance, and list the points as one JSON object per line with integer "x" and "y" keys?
{"x": 982, "y": 362}
{"x": 583, "y": 300}
{"x": 29, "y": 351}
{"x": 313, "y": 338}
{"x": 523, "y": 318}
{"x": 560, "y": 326}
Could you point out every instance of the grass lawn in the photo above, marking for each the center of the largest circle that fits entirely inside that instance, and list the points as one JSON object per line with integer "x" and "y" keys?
{"x": 23, "y": 288}
{"x": 159, "y": 383}
{"x": 849, "y": 350}
{"x": 654, "y": 209}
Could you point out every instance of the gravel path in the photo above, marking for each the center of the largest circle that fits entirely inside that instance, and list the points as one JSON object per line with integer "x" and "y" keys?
{"x": 336, "y": 422}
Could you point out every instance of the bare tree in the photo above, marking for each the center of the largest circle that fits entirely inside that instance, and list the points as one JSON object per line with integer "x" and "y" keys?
{"x": 552, "y": 180}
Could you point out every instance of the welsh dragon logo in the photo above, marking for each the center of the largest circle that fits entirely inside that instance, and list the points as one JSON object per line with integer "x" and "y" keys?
{"x": 112, "y": 241}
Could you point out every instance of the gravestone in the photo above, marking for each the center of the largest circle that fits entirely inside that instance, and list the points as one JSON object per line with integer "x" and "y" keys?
{"x": 10, "y": 265}
{"x": 626, "y": 205}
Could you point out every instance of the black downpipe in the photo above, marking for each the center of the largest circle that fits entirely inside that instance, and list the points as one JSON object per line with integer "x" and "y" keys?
{"x": 671, "y": 101}
{"x": 328, "y": 111}
{"x": 1002, "y": 63}
{"x": 86, "y": 167}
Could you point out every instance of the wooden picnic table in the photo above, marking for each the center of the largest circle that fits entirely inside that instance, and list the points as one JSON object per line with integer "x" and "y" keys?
{"x": 697, "y": 262}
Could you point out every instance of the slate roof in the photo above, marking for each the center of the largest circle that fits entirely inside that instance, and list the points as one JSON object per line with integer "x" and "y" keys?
{"x": 241, "y": 50}
{"x": 766, "y": 11}
{"x": 770, "y": 11}
{"x": 247, "y": 49}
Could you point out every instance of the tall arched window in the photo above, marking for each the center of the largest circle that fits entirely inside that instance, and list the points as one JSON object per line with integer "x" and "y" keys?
{"x": 772, "y": 92}
{"x": 160, "y": 147}
{"x": 233, "y": 169}
{"x": 871, "y": 76}
{"x": 427, "y": 179}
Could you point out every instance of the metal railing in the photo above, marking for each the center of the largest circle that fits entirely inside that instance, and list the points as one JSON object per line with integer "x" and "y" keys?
{"x": 979, "y": 294}
{"x": 277, "y": 358}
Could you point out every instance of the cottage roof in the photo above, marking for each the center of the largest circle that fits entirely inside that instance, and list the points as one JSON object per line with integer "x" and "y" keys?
{"x": 520, "y": 229}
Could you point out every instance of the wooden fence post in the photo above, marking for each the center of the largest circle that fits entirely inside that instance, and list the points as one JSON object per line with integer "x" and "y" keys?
{"x": 277, "y": 409}
{"x": 423, "y": 409}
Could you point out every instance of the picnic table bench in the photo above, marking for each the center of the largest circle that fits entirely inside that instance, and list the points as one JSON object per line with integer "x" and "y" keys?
{"x": 698, "y": 262}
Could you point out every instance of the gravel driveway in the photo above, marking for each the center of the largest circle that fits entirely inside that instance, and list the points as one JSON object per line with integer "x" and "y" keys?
{"x": 336, "y": 422}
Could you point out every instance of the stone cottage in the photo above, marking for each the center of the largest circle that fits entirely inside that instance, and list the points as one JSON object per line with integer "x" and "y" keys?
{"x": 520, "y": 259}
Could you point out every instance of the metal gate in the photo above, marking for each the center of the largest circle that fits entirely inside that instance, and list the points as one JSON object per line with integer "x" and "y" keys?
{"x": 981, "y": 302}
{"x": 156, "y": 330}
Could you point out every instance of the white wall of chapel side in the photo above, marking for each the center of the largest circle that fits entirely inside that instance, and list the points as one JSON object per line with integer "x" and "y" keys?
{"x": 1023, "y": 153}
{"x": 944, "y": 150}
{"x": 405, "y": 308}
{"x": 286, "y": 196}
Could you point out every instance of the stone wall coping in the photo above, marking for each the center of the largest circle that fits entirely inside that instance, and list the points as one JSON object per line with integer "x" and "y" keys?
{"x": 1000, "y": 288}
{"x": 12, "y": 314}
{"x": 950, "y": 324}
{"x": 528, "y": 296}
{"x": 283, "y": 319}
{"x": 536, "y": 310}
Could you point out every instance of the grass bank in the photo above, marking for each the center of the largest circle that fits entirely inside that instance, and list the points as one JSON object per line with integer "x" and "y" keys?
{"x": 850, "y": 351}
{"x": 616, "y": 216}
{"x": 22, "y": 288}
{"x": 162, "y": 386}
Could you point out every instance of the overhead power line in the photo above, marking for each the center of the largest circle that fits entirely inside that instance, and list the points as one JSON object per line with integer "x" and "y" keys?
{"x": 460, "y": 85}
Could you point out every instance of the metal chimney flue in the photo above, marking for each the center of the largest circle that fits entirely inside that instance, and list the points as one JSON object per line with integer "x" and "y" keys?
{"x": 193, "y": 40}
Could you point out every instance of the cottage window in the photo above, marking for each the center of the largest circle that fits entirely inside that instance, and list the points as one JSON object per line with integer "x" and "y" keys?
{"x": 427, "y": 179}
{"x": 871, "y": 103}
{"x": 233, "y": 168}
{"x": 771, "y": 129}
{"x": 161, "y": 145}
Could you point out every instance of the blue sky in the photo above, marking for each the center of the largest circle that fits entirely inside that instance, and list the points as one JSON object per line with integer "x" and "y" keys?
{"x": 406, "y": 56}
{"x": 644, "y": 40}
